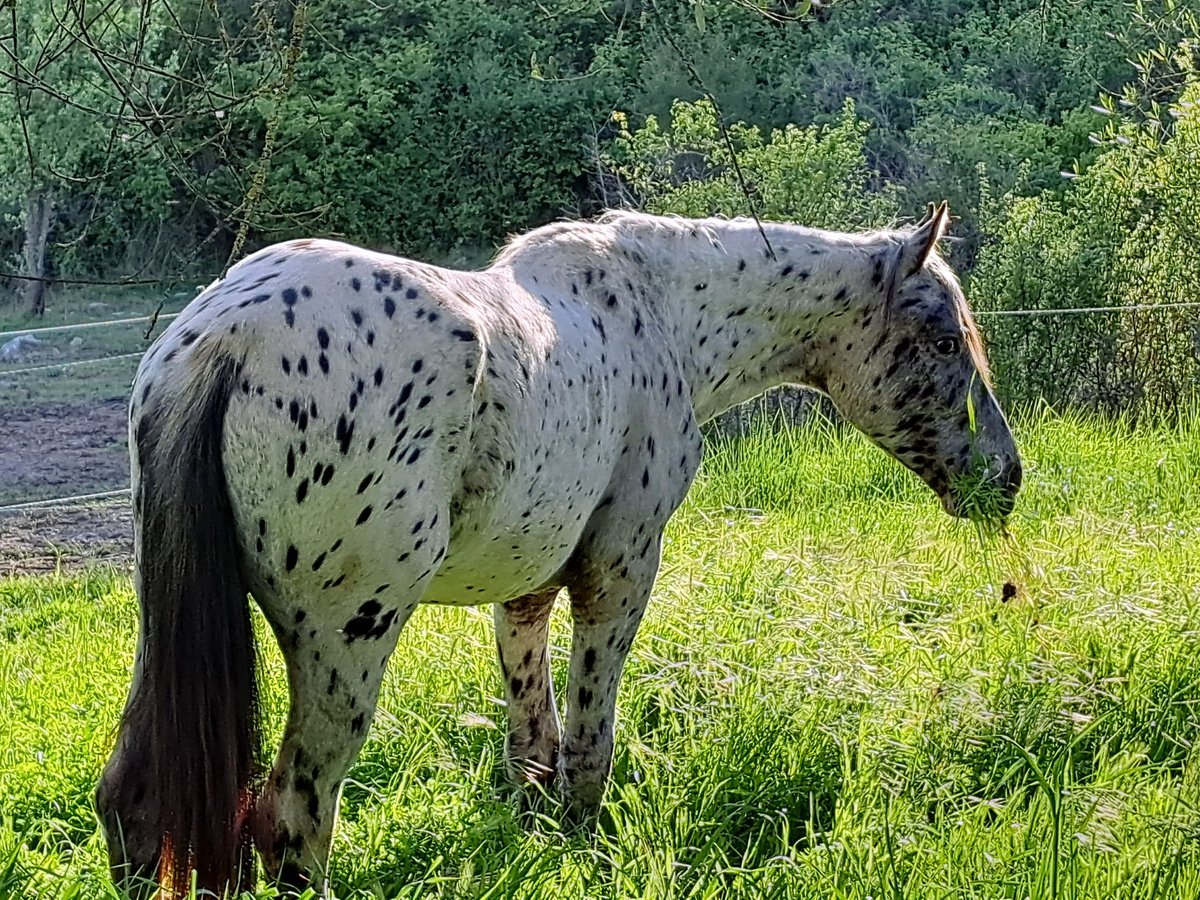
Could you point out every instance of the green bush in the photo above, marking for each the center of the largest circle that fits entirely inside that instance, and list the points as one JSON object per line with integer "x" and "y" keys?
{"x": 1124, "y": 235}
{"x": 436, "y": 127}
{"x": 65, "y": 141}
{"x": 432, "y": 133}
{"x": 816, "y": 175}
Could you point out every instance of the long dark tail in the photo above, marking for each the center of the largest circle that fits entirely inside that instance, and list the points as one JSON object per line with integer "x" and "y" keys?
{"x": 194, "y": 715}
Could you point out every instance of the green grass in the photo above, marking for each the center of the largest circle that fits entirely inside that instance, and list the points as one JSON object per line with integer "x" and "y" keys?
{"x": 830, "y": 697}
{"x": 95, "y": 381}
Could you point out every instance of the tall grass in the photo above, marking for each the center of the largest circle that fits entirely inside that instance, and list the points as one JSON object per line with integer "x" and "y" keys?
{"x": 833, "y": 695}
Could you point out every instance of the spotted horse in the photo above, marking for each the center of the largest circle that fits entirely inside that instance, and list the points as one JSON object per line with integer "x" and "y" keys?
{"x": 344, "y": 435}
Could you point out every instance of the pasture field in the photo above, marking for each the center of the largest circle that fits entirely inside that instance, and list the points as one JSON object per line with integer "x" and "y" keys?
{"x": 106, "y": 351}
{"x": 833, "y": 696}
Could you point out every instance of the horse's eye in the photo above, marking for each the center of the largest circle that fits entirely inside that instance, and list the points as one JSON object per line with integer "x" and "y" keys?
{"x": 947, "y": 346}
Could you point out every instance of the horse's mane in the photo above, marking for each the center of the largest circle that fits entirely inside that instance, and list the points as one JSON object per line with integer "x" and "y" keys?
{"x": 611, "y": 227}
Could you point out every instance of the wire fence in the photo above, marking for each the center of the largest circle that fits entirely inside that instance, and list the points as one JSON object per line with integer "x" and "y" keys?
{"x": 74, "y": 501}
{"x": 30, "y": 345}
{"x": 985, "y": 313}
{"x": 1087, "y": 310}
{"x": 78, "y": 326}
{"x": 69, "y": 365}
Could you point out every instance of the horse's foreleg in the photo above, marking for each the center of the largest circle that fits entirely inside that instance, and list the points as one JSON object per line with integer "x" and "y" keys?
{"x": 522, "y": 632}
{"x": 607, "y": 606}
{"x": 334, "y": 675}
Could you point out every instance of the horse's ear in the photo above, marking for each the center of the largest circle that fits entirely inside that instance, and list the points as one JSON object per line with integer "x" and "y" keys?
{"x": 917, "y": 245}
{"x": 908, "y": 251}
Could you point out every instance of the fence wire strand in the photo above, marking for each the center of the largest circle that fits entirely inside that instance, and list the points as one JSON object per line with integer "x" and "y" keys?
{"x": 77, "y": 326}
{"x": 78, "y": 501}
{"x": 1086, "y": 310}
{"x": 69, "y": 365}
{"x": 64, "y": 503}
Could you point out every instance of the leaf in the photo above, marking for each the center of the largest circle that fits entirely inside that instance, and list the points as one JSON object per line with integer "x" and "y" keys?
{"x": 971, "y": 407}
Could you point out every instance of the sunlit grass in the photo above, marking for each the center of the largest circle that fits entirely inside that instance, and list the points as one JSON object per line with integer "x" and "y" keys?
{"x": 833, "y": 695}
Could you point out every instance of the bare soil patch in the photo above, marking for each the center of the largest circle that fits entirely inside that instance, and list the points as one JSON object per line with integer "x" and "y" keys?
{"x": 63, "y": 450}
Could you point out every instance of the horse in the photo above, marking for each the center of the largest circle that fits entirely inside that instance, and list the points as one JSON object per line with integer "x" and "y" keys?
{"x": 342, "y": 435}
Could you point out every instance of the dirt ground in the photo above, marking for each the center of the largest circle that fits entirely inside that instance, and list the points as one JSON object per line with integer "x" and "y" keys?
{"x": 60, "y": 451}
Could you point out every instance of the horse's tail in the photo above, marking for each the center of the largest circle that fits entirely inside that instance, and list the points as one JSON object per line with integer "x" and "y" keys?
{"x": 195, "y": 703}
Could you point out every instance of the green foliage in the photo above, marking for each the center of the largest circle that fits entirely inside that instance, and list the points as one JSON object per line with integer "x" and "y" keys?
{"x": 945, "y": 86}
{"x": 422, "y": 128}
{"x": 816, "y": 175}
{"x": 1123, "y": 235}
{"x": 436, "y": 127}
{"x": 62, "y": 138}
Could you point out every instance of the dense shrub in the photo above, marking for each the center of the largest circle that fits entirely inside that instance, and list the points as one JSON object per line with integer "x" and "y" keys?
{"x": 1123, "y": 235}
{"x": 428, "y": 125}
{"x": 63, "y": 144}
{"x": 816, "y": 175}
{"x": 423, "y": 129}
{"x": 436, "y": 127}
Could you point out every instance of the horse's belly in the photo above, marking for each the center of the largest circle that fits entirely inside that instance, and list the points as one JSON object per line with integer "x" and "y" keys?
{"x": 509, "y": 549}
{"x": 469, "y": 579}
{"x": 543, "y": 457}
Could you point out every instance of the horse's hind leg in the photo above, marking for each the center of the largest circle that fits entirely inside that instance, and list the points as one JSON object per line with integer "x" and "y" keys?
{"x": 522, "y": 631}
{"x": 336, "y": 656}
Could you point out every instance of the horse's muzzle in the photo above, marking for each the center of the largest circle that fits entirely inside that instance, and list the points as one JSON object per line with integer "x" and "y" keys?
{"x": 992, "y": 496}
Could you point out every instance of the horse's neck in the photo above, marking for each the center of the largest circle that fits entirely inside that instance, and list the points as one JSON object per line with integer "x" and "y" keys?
{"x": 744, "y": 322}
{"x": 740, "y": 319}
